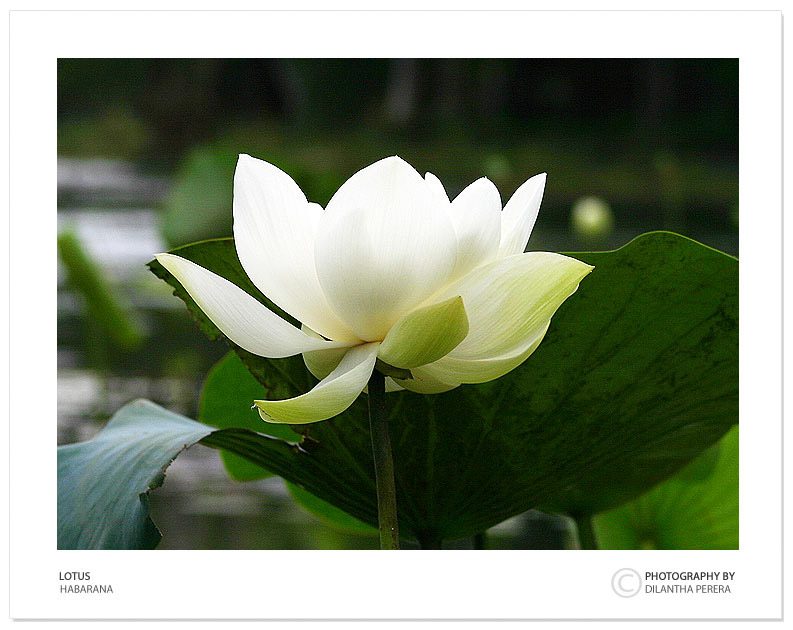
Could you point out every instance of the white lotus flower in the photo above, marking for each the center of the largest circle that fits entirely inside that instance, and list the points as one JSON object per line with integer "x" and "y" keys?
{"x": 390, "y": 270}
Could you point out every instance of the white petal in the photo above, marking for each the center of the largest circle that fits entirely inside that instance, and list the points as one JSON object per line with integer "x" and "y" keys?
{"x": 241, "y": 317}
{"x": 476, "y": 216}
{"x": 519, "y": 215}
{"x": 451, "y": 369}
{"x": 510, "y": 300}
{"x": 385, "y": 245}
{"x": 274, "y": 232}
{"x": 330, "y": 396}
{"x": 436, "y": 186}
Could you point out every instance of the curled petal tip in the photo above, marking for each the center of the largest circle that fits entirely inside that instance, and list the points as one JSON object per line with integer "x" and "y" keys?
{"x": 262, "y": 413}
{"x": 330, "y": 396}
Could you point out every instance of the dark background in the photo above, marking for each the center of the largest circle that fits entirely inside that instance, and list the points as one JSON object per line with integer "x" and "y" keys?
{"x": 656, "y": 138}
{"x": 146, "y": 152}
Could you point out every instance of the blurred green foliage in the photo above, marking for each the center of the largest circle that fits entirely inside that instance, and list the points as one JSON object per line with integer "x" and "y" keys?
{"x": 114, "y": 133}
{"x": 104, "y": 305}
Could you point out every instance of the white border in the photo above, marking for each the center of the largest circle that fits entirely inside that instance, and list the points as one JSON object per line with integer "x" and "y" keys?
{"x": 281, "y": 584}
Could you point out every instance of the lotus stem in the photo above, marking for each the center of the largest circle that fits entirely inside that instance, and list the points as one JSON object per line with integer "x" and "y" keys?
{"x": 383, "y": 463}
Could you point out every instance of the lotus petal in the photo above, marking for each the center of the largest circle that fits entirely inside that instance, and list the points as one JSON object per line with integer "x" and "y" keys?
{"x": 332, "y": 395}
{"x": 274, "y": 231}
{"x": 385, "y": 245}
{"x": 241, "y": 317}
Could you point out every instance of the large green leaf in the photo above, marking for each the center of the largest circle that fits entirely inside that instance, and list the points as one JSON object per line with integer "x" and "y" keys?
{"x": 103, "y": 483}
{"x": 220, "y": 256}
{"x": 691, "y": 510}
{"x": 228, "y": 389}
{"x": 636, "y": 376}
{"x": 328, "y": 513}
{"x": 105, "y": 306}
{"x": 226, "y": 402}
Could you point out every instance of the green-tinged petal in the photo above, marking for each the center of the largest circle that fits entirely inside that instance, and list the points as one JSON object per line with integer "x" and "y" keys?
{"x": 330, "y": 396}
{"x": 322, "y": 362}
{"x": 510, "y": 301}
{"x": 451, "y": 369}
{"x": 390, "y": 386}
{"x": 241, "y": 317}
{"x": 424, "y": 381}
{"x": 425, "y": 335}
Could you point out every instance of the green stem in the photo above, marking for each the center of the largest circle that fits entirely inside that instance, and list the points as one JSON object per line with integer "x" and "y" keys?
{"x": 383, "y": 464}
{"x": 586, "y": 533}
{"x": 480, "y": 540}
